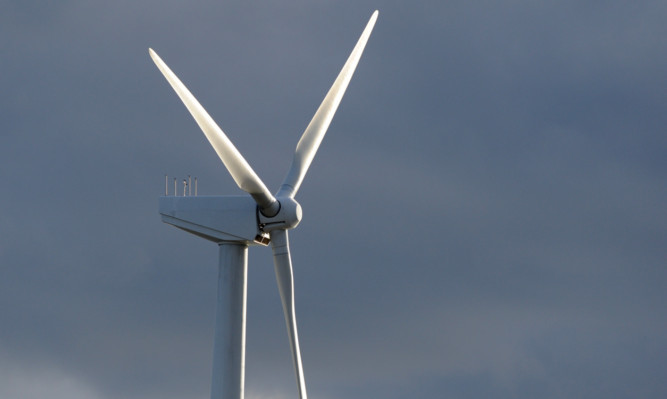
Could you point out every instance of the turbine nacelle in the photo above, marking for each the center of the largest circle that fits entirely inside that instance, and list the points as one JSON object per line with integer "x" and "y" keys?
{"x": 219, "y": 218}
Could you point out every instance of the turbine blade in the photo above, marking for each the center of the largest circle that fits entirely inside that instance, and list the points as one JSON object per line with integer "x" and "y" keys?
{"x": 237, "y": 166}
{"x": 314, "y": 133}
{"x": 284, "y": 277}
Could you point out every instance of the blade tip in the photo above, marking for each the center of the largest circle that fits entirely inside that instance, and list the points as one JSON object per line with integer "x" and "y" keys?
{"x": 374, "y": 17}
{"x": 153, "y": 54}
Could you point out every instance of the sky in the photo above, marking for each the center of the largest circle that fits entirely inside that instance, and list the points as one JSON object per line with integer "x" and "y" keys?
{"x": 485, "y": 217}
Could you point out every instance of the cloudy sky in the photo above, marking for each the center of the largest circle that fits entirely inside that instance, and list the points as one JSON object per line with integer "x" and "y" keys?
{"x": 485, "y": 218}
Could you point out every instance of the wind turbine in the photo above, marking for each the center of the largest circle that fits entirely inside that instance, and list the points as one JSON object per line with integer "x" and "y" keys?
{"x": 236, "y": 222}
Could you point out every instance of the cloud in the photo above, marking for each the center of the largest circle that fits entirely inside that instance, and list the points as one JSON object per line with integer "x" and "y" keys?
{"x": 33, "y": 383}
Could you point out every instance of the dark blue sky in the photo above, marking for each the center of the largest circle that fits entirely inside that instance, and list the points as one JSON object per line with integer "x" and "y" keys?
{"x": 485, "y": 218}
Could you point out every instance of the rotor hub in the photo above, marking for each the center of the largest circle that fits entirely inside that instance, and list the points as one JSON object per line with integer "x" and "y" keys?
{"x": 288, "y": 216}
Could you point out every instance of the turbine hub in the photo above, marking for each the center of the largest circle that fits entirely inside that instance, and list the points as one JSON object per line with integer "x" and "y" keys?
{"x": 288, "y": 216}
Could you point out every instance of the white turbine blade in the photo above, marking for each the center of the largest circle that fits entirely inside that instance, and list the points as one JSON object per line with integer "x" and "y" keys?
{"x": 237, "y": 166}
{"x": 314, "y": 133}
{"x": 284, "y": 277}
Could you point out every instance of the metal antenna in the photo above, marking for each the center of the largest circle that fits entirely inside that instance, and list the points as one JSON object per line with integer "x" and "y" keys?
{"x": 175, "y": 190}
{"x": 166, "y": 185}
{"x": 185, "y": 185}
{"x": 189, "y": 186}
{"x": 195, "y": 186}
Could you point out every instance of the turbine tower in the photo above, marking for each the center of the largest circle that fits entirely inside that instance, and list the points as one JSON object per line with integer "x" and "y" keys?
{"x": 236, "y": 222}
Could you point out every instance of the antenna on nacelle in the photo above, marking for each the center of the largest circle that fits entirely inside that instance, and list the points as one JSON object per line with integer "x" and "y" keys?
{"x": 187, "y": 186}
